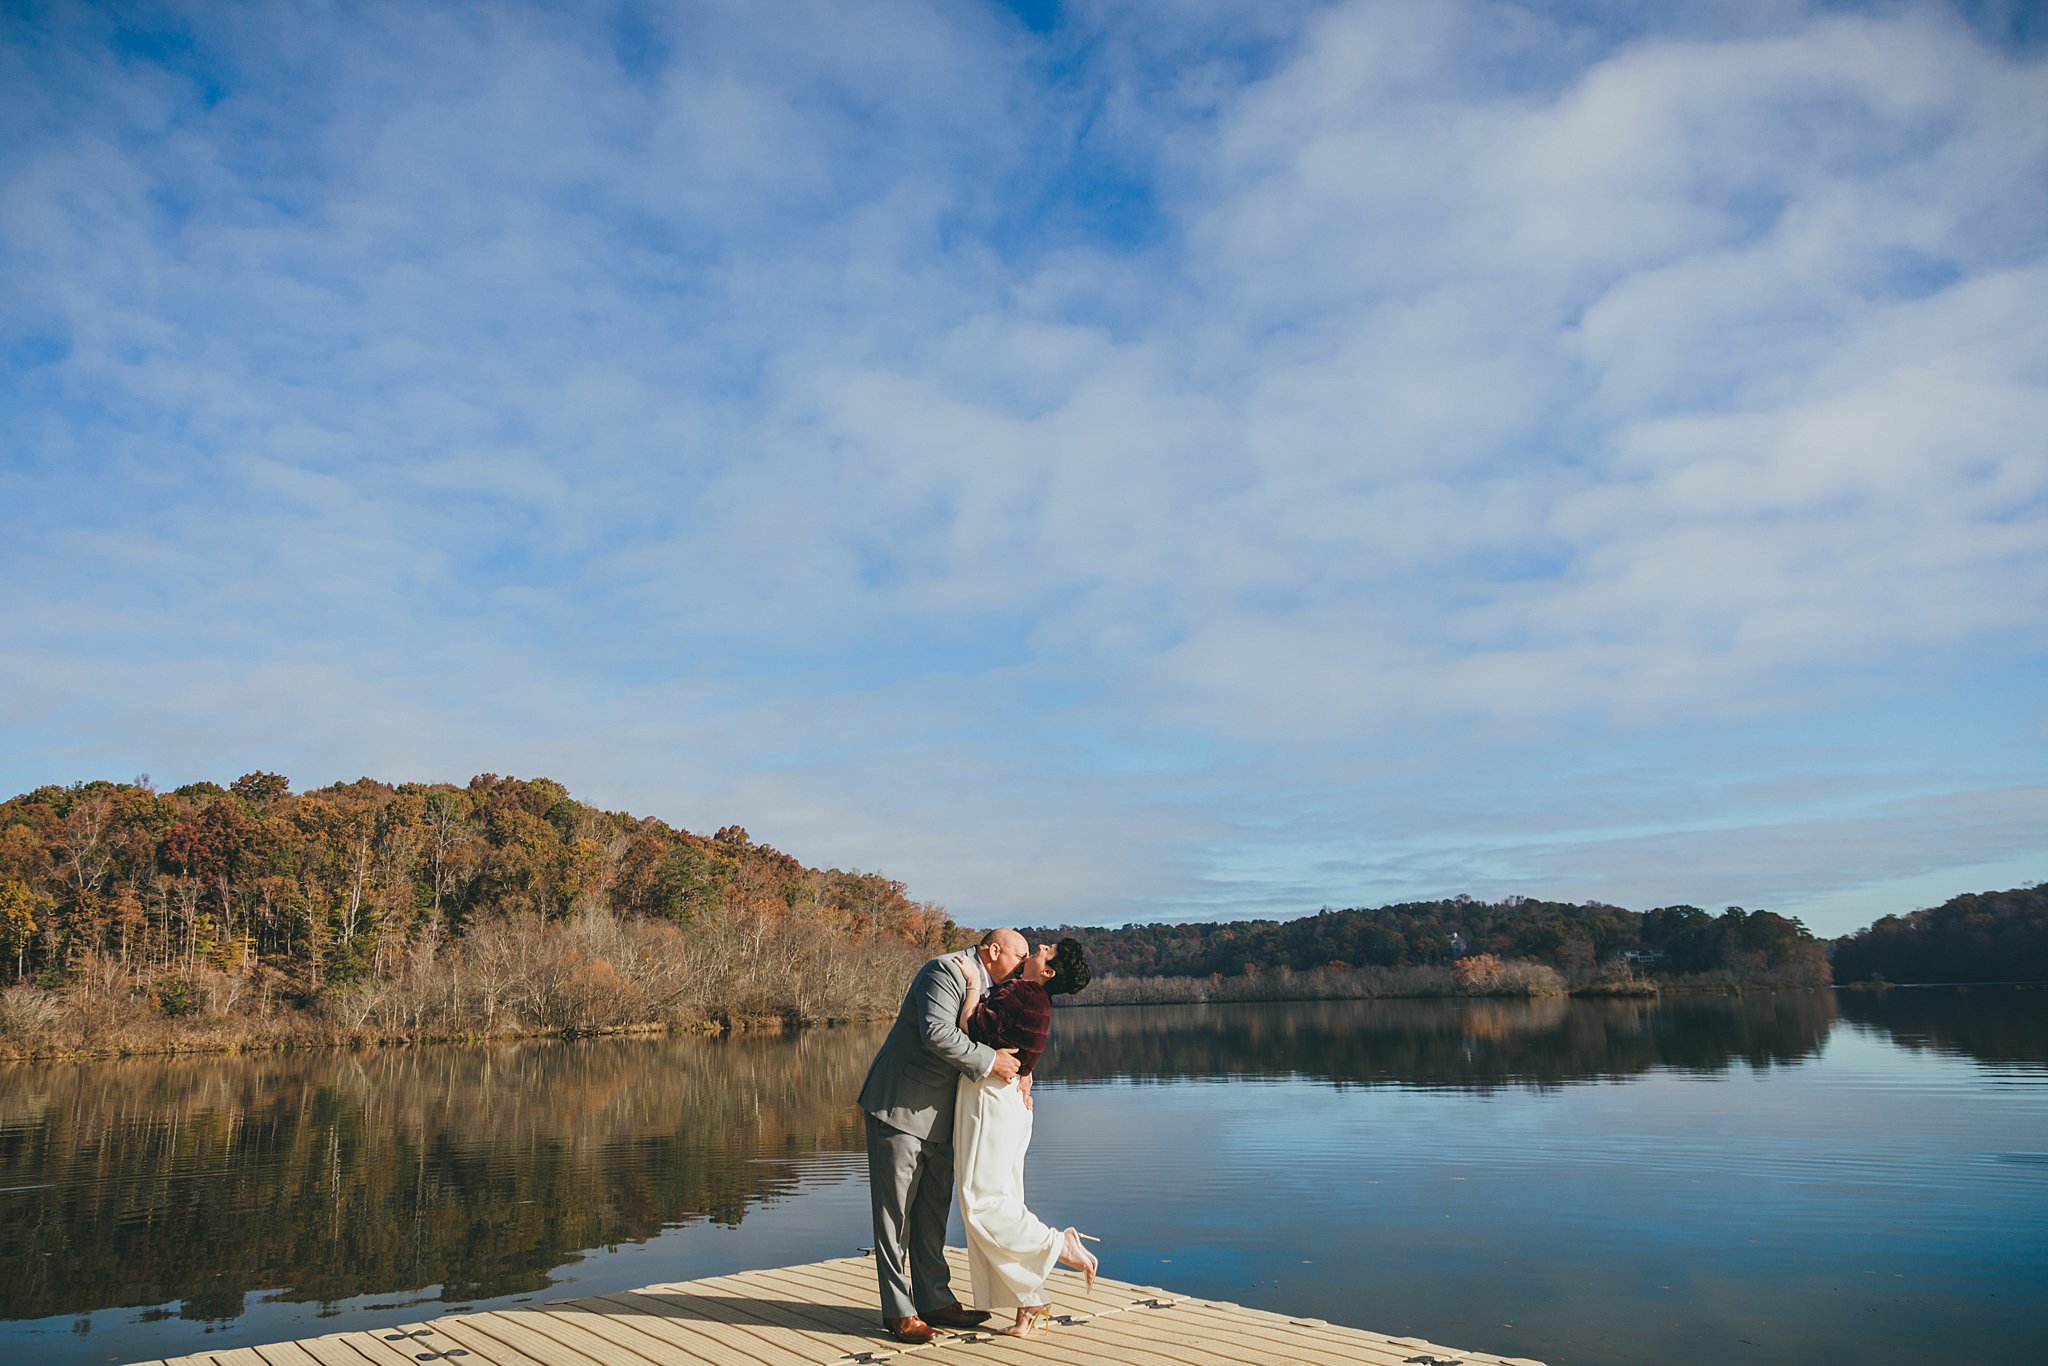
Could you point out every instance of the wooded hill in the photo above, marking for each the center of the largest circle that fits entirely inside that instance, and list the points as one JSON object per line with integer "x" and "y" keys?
{"x": 1977, "y": 937}
{"x": 209, "y": 916}
{"x": 422, "y": 909}
{"x": 1749, "y": 947}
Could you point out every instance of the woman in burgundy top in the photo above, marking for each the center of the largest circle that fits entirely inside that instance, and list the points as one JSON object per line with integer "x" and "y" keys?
{"x": 1010, "y": 1251}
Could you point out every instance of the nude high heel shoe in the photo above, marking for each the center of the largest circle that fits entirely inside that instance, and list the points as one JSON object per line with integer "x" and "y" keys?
{"x": 1030, "y": 1318}
{"x": 1078, "y": 1257}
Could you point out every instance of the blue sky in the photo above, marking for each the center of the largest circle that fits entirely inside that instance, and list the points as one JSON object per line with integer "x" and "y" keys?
{"x": 1094, "y": 462}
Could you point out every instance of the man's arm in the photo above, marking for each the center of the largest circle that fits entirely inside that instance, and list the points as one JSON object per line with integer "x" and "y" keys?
{"x": 939, "y": 1027}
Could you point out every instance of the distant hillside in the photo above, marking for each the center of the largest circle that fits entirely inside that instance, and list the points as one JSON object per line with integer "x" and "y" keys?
{"x": 1749, "y": 946}
{"x": 418, "y": 909}
{"x": 1977, "y": 937}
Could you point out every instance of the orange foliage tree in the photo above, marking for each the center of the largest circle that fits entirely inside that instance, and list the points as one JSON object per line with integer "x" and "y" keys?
{"x": 359, "y": 879}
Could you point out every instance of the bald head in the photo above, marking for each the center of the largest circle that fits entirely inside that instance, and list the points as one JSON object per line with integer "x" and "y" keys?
{"x": 1001, "y": 951}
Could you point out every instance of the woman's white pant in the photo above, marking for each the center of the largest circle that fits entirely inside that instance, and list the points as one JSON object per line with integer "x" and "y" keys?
{"x": 1010, "y": 1251}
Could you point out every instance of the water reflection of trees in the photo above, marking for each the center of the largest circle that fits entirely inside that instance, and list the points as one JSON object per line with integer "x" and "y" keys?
{"x": 1475, "y": 1045}
{"x": 1998, "y": 1025}
{"x": 478, "y": 1170}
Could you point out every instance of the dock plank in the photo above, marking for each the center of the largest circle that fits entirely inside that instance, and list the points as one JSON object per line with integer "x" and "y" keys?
{"x": 530, "y": 1331}
{"x": 511, "y": 1342}
{"x": 638, "y": 1348}
{"x": 646, "y": 1333}
{"x": 825, "y": 1314}
{"x": 1193, "y": 1343}
{"x": 287, "y": 1354}
{"x": 325, "y": 1352}
{"x": 1108, "y": 1345}
{"x": 718, "y": 1318}
{"x": 378, "y": 1349}
{"x": 407, "y": 1343}
{"x": 764, "y": 1317}
{"x": 1205, "y": 1323}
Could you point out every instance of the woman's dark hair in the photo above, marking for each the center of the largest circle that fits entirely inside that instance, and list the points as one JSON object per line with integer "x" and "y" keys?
{"x": 1070, "y": 970}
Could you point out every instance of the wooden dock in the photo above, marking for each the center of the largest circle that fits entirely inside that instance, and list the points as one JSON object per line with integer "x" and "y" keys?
{"x": 824, "y": 1314}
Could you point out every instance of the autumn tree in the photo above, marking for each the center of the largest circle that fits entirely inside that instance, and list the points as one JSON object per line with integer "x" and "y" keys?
{"x": 19, "y": 908}
{"x": 315, "y": 891}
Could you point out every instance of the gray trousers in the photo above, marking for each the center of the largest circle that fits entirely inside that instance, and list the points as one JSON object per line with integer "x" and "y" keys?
{"x": 910, "y": 1186}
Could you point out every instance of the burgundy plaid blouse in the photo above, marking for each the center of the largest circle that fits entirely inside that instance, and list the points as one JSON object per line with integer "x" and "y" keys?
{"x": 1017, "y": 1014}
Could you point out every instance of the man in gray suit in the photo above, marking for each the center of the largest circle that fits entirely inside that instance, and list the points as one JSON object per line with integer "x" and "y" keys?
{"x": 908, "y": 1097}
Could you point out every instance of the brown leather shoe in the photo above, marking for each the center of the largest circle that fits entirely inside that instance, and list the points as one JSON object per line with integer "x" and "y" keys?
{"x": 956, "y": 1316}
{"x": 912, "y": 1330}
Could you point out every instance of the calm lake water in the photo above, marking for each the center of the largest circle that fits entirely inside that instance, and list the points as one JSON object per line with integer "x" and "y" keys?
{"x": 1793, "y": 1178}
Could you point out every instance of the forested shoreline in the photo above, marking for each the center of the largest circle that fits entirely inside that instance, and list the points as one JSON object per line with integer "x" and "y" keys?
{"x": 1976, "y": 937}
{"x": 1524, "y": 947}
{"x": 249, "y": 916}
{"x": 1456, "y": 947}
{"x": 212, "y": 917}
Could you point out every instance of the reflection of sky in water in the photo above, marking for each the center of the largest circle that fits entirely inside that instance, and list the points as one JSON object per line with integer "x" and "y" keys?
{"x": 1865, "y": 1205}
{"x": 1851, "y": 1200}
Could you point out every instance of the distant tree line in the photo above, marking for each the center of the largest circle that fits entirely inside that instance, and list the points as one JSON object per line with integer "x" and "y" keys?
{"x": 420, "y": 908}
{"x": 368, "y": 909}
{"x": 1577, "y": 941}
{"x": 1977, "y": 937}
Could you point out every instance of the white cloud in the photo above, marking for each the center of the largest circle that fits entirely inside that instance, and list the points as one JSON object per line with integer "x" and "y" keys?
{"x": 1114, "y": 470}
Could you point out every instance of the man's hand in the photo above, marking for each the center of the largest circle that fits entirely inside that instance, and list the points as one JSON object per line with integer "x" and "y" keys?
{"x": 1005, "y": 1066}
{"x": 1024, "y": 1090}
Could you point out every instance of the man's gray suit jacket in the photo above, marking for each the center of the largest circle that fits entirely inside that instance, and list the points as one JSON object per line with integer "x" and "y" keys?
{"x": 911, "y": 1084}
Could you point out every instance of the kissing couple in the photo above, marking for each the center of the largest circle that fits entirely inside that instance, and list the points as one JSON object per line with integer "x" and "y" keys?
{"x": 948, "y": 1098}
